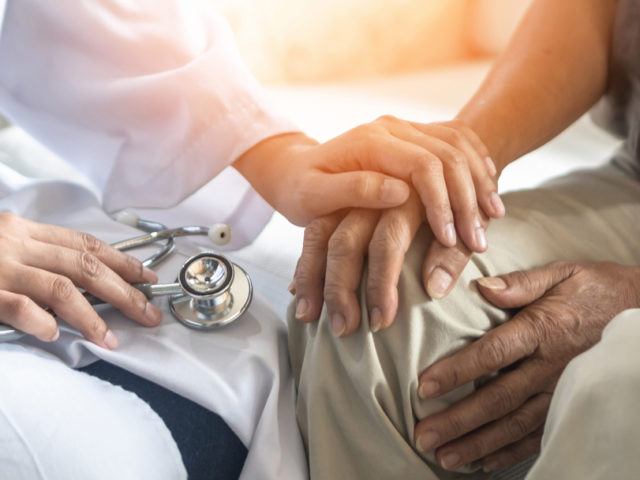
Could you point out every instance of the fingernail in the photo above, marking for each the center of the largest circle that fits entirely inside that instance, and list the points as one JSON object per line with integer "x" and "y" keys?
{"x": 428, "y": 389}
{"x": 337, "y": 324}
{"x": 438, "y": 283}
{"x": 427, "y": 441}
{"x": 450, "y": 234}
{"x": 481, "y": 239}
{"x": 393, "y": 191}
{"x": 496, "y": 203}
{"x": 375, "y": 319}
{"x": 110, "y": 340}
{"x": 292, "y": 287}
{"x": 491, "y": 166}
{"x": 492, "y": 283}
{"x": 153, "y": 313}
{"x": 490, "y": 467}
{"x": 301, "y": 308}
{"x": 149, "y": 275}
{"x": 450, "y": 461}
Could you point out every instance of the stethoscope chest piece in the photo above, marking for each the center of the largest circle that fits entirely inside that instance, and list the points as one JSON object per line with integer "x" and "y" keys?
{"x": 215, "y": 292}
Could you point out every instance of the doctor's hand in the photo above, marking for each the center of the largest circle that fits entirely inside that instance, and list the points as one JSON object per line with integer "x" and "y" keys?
{"x": 566, "y": 307}
{"x": 331, "y": 265}
{"x": 446, "y": 164}
{"x": 41, "y": 267}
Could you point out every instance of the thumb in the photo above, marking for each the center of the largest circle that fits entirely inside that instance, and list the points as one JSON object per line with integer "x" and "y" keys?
{"x": 517, "y": 289}
{"x": 335, "y": 191}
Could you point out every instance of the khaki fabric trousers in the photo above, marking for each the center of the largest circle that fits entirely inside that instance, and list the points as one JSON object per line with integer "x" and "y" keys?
{"x": 593, "y": 419}
{"x": 357, "y": 396}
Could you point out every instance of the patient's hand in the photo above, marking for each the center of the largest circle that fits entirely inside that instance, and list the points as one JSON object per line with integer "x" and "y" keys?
{"x": 42, "y": 265}
{"x": 446, "y": 163}
{"x": 566, "y": 307}
{"x": 330, "y": 267}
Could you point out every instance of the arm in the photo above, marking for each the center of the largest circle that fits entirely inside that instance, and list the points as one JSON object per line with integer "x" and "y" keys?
{"x": 141, "y": 96}
{"x": 554, "y": 69}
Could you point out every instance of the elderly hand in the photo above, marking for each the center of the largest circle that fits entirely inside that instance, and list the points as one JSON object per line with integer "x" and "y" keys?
{"x": 567, "y": 305}
{"x": 43, "y": 264}
{"x": 330, "y": 267}
{"x": 446, "y": 163}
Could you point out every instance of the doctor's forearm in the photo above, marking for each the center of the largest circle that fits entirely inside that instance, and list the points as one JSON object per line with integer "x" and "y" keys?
{"x": 554, "y": 69}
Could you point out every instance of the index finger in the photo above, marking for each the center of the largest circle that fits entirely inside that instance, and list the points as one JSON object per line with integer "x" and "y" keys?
{"x": 129, "y": 268}
{"x": 389, "y": 244}
{"x": 497, "y": 349}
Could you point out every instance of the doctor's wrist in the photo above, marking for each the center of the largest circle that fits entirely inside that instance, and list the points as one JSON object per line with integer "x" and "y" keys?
{"x": 257, "y": 162}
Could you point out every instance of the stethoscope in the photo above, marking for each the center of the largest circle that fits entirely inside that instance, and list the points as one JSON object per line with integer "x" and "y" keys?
{"x": 210, "y": 291}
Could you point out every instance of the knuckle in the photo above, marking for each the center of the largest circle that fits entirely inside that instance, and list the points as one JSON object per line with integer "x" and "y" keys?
{"x": 390, "y": 245}
{"x": 523, "y": 279}
{"x": 62, "y": 289}
{"x": 500, "y": 399}
{"x": 97, "y": 328}
{"x": 362, "y": 186}
{"x": 475, "y": 448}
{"x": 136, "y": 298}
{"x": 343, "y": 243}
{"x": 334, "y": 294}
{"x": 430, "y": 165}
{"x": 519, "y": 424}
{"x": 365, "y": 133}
{"x": 133, "y": 265}
{"x": 456, "y": 137}
{"x": 455, "y": 426}
{"x": 8, "y": 219}
{"x": 90, "y": 244}
{"x": 386, "y": 119}
{"x": 455, "y": 158}
{"x": 316, "y": 233}
{"x": 90, "y": 266}
{"x": 19, "y": 307}
{"x": 491, "y": 353}
{"x": 303, "y": 275}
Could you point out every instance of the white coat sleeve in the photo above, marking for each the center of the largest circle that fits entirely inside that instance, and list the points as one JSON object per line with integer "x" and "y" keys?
{"x": 149, "y": 99}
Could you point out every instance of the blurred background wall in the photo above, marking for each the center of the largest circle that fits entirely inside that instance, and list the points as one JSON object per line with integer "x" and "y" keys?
{"x": 302, "y": 41}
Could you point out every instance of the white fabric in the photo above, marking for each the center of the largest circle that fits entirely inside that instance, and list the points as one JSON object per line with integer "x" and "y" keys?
{"x": 36, "y": 419}
{"x": 241, "y": 372}
{"x": 593, "y": 423}
{"x": 148, "y": 99}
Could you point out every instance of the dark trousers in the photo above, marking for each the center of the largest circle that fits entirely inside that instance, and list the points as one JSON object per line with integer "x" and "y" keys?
{"x": 209, "y": 449}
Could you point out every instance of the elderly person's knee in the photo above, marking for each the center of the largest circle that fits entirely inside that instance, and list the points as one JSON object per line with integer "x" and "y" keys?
{"x": 380, "y": 370}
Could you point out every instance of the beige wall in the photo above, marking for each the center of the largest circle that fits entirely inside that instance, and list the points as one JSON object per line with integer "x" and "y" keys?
{"x": 318, "y": 40}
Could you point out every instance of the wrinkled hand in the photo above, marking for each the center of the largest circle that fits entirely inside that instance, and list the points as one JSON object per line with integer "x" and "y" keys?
{"x": 446, "y": 163}
{"x": 330, "y": 267}
{"x": 41, "y": 267}
{"x": 567, "y": 305}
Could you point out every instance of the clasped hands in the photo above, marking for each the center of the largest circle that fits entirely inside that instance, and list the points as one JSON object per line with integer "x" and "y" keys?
{"x": 564, "y": 306}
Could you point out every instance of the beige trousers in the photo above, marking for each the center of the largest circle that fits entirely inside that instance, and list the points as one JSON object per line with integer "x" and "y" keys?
{"x": 593, "y": 419}
{"x": 357, "y": 399}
